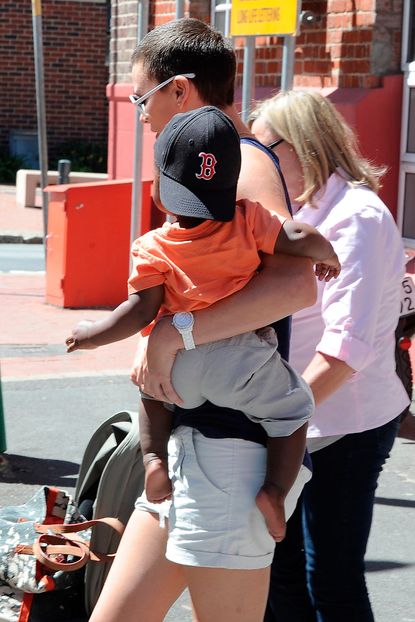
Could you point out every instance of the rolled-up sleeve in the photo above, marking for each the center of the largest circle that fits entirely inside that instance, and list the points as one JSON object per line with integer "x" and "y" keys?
{"x": 351, "y": 302}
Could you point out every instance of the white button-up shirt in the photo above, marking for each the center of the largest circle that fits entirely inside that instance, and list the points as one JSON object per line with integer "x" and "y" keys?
{"x": 355, "y": 316}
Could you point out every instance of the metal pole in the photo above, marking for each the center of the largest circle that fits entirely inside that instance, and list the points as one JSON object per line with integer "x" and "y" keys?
{"x": 64, "y": 170}
{"x": 136, "y": 199}
{"x": 41, "y": 109}
{"x": 179, "y": 9}
{"x": 248, "y": 78}
{"x": 287, "y": 74}
{"x": 3, "y": 444}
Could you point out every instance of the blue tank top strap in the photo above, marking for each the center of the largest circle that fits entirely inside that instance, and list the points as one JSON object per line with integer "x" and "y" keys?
{"x": 255, "y": 143}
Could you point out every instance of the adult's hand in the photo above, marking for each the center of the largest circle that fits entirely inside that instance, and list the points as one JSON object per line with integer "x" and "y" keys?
{"x": 154, "y": 362}
{"x": 140, "y": 361}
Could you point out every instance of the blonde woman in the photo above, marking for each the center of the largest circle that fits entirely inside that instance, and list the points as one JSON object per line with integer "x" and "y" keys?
{"x": 344, "y": 347}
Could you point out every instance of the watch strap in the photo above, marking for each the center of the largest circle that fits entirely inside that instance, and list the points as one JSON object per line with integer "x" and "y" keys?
{"x": 188, "y": 340}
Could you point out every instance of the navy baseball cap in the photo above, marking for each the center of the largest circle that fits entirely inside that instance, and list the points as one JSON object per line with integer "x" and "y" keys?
{"x": 198, "y": 154}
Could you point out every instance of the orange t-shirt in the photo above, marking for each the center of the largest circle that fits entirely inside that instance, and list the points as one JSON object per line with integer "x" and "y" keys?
{"x": 199, "y": 266}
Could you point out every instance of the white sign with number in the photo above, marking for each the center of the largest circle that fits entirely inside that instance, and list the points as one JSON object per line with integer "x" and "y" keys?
{"x": 407, "y": 297}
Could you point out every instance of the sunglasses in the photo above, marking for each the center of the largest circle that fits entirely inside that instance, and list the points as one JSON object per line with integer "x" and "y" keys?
{"x": 139, "y": 101}
{"x": 275, "y": 143}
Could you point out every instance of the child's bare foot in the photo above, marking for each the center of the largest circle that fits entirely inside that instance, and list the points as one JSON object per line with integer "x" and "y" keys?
{"x": 271, "y": 504}
{"x": 157, "y": 482}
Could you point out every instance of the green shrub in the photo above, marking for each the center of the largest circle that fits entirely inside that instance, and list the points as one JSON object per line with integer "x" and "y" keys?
{"x": 85, "y": 157}
{"x": 9, "y": 165}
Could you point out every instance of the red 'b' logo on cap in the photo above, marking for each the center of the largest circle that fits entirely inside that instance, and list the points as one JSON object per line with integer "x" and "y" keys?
{"x": 207, "y": 166}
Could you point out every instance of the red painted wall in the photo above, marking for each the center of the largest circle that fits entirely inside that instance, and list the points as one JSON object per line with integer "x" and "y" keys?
{"x": 375, "y": 114}
{"x": 121, "y": 130}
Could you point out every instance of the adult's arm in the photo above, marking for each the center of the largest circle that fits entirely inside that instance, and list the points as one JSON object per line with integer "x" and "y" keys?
{"x": 259, "y": 303}
{"x": 285, "y": 285}
{"x": 351, "y": 304}
{"x": 325, "y": 374}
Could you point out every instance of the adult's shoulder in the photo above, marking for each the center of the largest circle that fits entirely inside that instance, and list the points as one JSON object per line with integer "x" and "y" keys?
{"x": 360, "y": 200}
{"x": 361, "y": 215}
{"x": 259, "y": 180}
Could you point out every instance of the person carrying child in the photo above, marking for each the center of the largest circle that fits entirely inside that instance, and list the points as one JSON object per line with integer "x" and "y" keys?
{"x": 208, "y": 254}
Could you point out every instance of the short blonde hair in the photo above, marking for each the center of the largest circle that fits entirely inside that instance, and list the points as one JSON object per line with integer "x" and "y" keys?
{"x": 320, "y": 137}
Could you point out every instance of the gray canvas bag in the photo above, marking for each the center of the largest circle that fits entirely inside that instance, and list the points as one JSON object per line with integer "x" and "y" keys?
{"x": 110, "y": 479}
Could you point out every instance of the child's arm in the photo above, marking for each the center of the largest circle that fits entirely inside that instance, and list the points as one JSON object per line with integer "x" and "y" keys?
{"x": 127, "y": 319}
{"x": 301, "y": 239}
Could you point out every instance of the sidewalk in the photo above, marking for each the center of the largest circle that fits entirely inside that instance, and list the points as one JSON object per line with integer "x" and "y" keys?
{"x": 19, "y": 224}
{"x": 33, "y": 333}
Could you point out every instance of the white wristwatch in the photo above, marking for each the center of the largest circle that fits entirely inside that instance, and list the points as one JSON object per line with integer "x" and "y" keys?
{"x": 184, "y": 322}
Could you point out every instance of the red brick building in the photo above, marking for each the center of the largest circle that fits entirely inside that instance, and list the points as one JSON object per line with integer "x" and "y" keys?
{"x": 358, "y": 52}
{"x": 75, "y": 48}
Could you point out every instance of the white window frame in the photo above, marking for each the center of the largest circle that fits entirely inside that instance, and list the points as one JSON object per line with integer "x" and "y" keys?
{"x": 223, "y": 7}
{"x": 408, "y": 84}
{"x": 406, "y": 167}
{"x": 407, "y": 160}
{"x": 408, "y": 5}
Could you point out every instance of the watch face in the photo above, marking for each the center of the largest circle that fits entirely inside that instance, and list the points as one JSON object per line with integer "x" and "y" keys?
{"x": 183, "y": 320}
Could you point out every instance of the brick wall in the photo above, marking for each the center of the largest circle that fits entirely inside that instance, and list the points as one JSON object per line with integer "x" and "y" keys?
{"x": 124, "y": 29}
{"x": 354, "y": 43}
{"x": 76, "y": 74}
{"x": 123, "y": 39}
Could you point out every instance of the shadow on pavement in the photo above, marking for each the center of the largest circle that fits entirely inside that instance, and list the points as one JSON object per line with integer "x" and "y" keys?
{"x": 381, "y": 565}
{"x": 28, "y": 470}
{"x": 402, "y": 503}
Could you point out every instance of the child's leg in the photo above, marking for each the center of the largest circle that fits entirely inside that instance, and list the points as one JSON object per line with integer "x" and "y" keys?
{"x": 284, "y": 459}
{"x": 155, "y": 428}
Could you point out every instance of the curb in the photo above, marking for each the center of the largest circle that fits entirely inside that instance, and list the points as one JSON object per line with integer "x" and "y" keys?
{"x": 12, "y": 238}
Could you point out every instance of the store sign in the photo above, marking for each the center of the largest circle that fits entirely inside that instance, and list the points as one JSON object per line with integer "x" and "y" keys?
{"x": 264, "y": 17}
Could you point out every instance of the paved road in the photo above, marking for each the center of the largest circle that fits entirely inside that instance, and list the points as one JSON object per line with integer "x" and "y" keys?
{"x": 49, "y": 423}
{"x": 26, "y": 257}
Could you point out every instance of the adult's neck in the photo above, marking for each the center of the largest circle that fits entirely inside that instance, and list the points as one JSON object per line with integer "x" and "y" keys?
{"x": 233, "y": 114}
{"x": 194, "y": 101}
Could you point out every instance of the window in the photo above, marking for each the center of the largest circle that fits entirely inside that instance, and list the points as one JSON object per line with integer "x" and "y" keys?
{"x": 410, "y": 56}
{"x": 406, "y": 196}
{"x": 408, "y": 225}
{"x": 408, "y": 33}
{"x": 410, "y": 144}
{"x": 221, "y": 16}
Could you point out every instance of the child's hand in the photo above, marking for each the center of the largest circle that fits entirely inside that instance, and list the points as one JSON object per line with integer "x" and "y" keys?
{"x": 328, "y": 269}
{"x": 80, "y": 339}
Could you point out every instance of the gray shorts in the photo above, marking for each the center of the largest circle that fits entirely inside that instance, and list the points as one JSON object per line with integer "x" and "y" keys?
{"x": 245, "y": 373}
{"x": 213, "y": 520}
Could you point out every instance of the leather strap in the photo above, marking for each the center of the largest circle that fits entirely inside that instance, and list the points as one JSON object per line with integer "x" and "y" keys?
{"x": 75, "y": 527}
{"x": 51, "y": 543}
{"x": 45, "y": 546}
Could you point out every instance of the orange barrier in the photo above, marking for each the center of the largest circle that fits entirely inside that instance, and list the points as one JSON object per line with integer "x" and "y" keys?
{"x": 88, "y": 244}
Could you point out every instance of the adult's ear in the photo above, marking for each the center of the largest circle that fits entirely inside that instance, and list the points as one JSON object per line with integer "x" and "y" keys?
{"x": 183, "y": 91}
